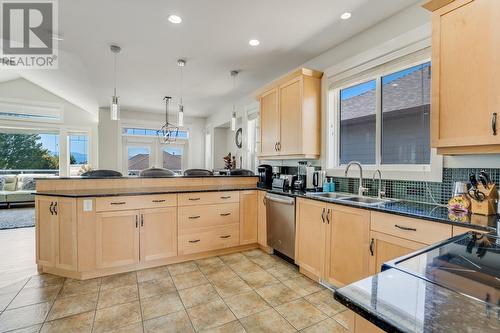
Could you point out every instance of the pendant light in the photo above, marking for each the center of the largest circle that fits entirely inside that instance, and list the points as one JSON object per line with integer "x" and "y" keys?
{"x": 168, "y": 132}
{"x": 234, "y": 74}
{"x": 180, "y": 115}
{"x": 115, "y": 106}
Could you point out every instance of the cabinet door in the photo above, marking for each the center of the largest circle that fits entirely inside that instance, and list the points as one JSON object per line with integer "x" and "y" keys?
{"x": 117, "y": 238}
{"x": 248, "y": 217}
{"x": 269, "y": 123}
{"x": 66, "y": 244}
{"x": 158, "y": 233}
{"x": 310, "y": 237}
{"x": 466, "y": 71}
{"x": 45, "y": 231}
{"x": 261, "y": 224}
{"x": 348, "y": 245}
{"x": 384, "y": 248}
{"x": 290, "y": 142}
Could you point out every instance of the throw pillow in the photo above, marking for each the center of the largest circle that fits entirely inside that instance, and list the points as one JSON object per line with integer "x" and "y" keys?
{"x": 28, "y": 184}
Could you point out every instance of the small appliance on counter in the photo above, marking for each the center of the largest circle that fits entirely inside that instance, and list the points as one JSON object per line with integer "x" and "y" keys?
{"x": 265, "y": 175}
{"x": 306, "y": 178}
{"x": 319, "y": 180}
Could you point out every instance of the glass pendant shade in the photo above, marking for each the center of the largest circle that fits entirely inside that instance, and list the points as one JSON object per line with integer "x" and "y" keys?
{"x": 180, "y": 116}
{"x": 233, "y": 122}
{"x": 115, "y": 108}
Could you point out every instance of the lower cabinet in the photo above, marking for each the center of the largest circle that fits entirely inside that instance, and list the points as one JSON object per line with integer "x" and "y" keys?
{"x": 332, "y": 241}
{"x": 384, "y": 248}
{"x": 127, "y": 237}
{"x": 248, "y": 217}
{"x": 347, "y": 256}
{"x": 56, "y": 232}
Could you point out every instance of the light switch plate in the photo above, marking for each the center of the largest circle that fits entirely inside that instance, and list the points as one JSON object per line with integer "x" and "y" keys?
{"x": 87, "y": 205}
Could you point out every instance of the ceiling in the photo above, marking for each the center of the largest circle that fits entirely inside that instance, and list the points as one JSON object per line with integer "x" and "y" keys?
{"x": 213, "y": 38}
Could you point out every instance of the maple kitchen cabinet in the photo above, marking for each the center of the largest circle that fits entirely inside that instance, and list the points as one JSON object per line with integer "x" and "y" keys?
{"x": 56, "y": 232}
{"x": 290, "y": 113}
{"x": 332, "y": 241}
{"x": 262, "y": 220}
{"x": 465, "y": 71}
{"x": 248, "y": 217}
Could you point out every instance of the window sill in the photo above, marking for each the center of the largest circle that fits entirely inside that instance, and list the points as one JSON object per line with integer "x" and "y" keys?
{"x": 393, "y": 172}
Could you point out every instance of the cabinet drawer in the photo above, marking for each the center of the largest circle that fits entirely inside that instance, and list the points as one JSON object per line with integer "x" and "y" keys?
{"x": 135, "y": 202}
{"x": 208, "y": 198}
{"x": 210, "y": 238}
{"x": 208, "y": 215}
{"x": 421, "y": 231}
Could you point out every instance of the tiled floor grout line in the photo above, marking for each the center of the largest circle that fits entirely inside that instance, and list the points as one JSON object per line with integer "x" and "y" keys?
{"x": 12, "y": 300}
{"x": 184, "y": 305}
{"x": 96, "y": 305}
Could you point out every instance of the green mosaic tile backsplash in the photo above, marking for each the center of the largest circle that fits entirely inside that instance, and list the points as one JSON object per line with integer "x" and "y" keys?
{"x": 415, "y": 190}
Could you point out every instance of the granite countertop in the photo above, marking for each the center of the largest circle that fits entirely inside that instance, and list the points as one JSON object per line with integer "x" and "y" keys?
{"x": 412, "y": 209}
{"x": 404, "y": 208}
{"x": 400, "y": 302}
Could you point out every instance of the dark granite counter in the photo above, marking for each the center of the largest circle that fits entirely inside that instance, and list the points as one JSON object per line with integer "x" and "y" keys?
{"x": 399, "y": 302}
{"x": 417, "y": 210}
{"x": 452, "y": 286}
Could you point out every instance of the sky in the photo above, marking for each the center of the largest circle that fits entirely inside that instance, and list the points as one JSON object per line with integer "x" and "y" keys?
{"x": 78, "y": 145}
{"x": 371, "y": 85}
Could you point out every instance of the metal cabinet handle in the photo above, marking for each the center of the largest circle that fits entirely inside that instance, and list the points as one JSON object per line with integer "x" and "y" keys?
{"x": 279, "y": 146}
{"x": 371, "y": 246}
{"x": 55, "y": 208}
{"x": 275, "y": 146}
{"x": 225, "y": 214}
{"x": 328, "y": 216}
{"x": 51, "y": 208}
{"x": 494, "y": 123}
{"x": 142, "y": 220}
{"x": 194, "y": 217}
{"x": 194, "y": 199}
{"x": 118, "y": 203}
{"x": 194, "y": 241}
{"x": 158, "y": 201}
{"x": 137, "y": 221}
{"x": 323, "y": 215}
{"x": 226, "y": 197}
{"x": 227, "y": 236}
{"x": 405, "y": 228}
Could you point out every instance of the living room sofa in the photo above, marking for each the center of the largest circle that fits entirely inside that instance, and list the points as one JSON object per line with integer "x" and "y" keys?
{"x": 15, "y": 189}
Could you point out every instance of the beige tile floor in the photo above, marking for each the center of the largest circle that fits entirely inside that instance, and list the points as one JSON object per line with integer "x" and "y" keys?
{"x": 242, "y": 292}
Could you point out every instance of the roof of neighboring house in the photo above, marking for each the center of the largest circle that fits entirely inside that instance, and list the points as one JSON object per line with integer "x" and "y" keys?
{"x": 141, "y": 161}
{"x": 407, "y": 92}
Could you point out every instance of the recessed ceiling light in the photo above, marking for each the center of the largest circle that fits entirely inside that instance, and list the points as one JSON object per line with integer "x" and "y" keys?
{"x": 175, "y": 19}
{"x": 346, "y": 16}
{"x": 254, "y": 42}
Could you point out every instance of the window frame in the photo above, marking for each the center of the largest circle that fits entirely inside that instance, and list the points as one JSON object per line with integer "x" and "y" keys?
{"x": 365, "y": 73}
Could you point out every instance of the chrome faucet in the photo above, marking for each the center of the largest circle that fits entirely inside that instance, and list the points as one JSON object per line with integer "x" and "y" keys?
{"x": 381, "y": 191}
{"x": 361, "y": 189}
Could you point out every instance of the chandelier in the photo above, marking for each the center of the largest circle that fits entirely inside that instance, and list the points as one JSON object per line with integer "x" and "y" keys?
{"x": 168, "y": 132}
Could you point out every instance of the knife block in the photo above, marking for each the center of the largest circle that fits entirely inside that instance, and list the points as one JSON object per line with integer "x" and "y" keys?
{"x": 489, "y": 205}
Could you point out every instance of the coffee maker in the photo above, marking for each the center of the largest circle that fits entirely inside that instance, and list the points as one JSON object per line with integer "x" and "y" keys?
{"x": 265, "y": 175}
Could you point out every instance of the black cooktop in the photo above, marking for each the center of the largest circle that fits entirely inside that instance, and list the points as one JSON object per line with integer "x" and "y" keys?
{"x": 468, "y": 264}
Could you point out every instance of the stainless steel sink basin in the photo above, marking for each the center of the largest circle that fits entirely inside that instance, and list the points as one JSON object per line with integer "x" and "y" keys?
{"x": 366, "y": 200}
{"x": 331, "y": 195}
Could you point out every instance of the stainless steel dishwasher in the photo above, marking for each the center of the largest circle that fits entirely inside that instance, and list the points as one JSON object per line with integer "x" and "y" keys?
{"x": 280, "y": 214}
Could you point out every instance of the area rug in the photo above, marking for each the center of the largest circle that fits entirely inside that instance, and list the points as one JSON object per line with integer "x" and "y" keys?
{"x": 17, "y": 218}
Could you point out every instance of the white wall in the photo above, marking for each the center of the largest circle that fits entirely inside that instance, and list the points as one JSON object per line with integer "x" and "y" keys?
{"x": 74, "y": 118}
{"x": 110, "y": 147}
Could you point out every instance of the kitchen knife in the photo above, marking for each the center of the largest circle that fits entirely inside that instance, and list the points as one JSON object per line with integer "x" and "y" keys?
{"x": 487, "y": 176}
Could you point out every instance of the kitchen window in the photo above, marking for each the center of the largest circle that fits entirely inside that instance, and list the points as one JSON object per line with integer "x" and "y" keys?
{"x": 381, "y": 118}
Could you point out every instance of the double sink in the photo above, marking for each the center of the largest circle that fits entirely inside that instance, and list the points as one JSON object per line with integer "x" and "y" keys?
{"x": 348, "y": 197}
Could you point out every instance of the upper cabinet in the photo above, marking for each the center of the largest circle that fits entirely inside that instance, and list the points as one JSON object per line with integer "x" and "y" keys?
{"x": 290, "y": 113}
{"x": 465, "y": 78}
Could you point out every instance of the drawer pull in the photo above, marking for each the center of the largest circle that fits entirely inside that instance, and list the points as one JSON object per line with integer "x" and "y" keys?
{"x": 405, "y": 228}
{"x": 371, "y": 247}
{"x": 158, "y": 201}
{"x": 118, "y": 203}
{"x": 194, "y": 199}
{"x": 225, "y": 214}
{"x": 194, "y": 217}
{"x": 194, "y": 241}
{"x": 227, "y": 236}
{"x": 227, "y": 197}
